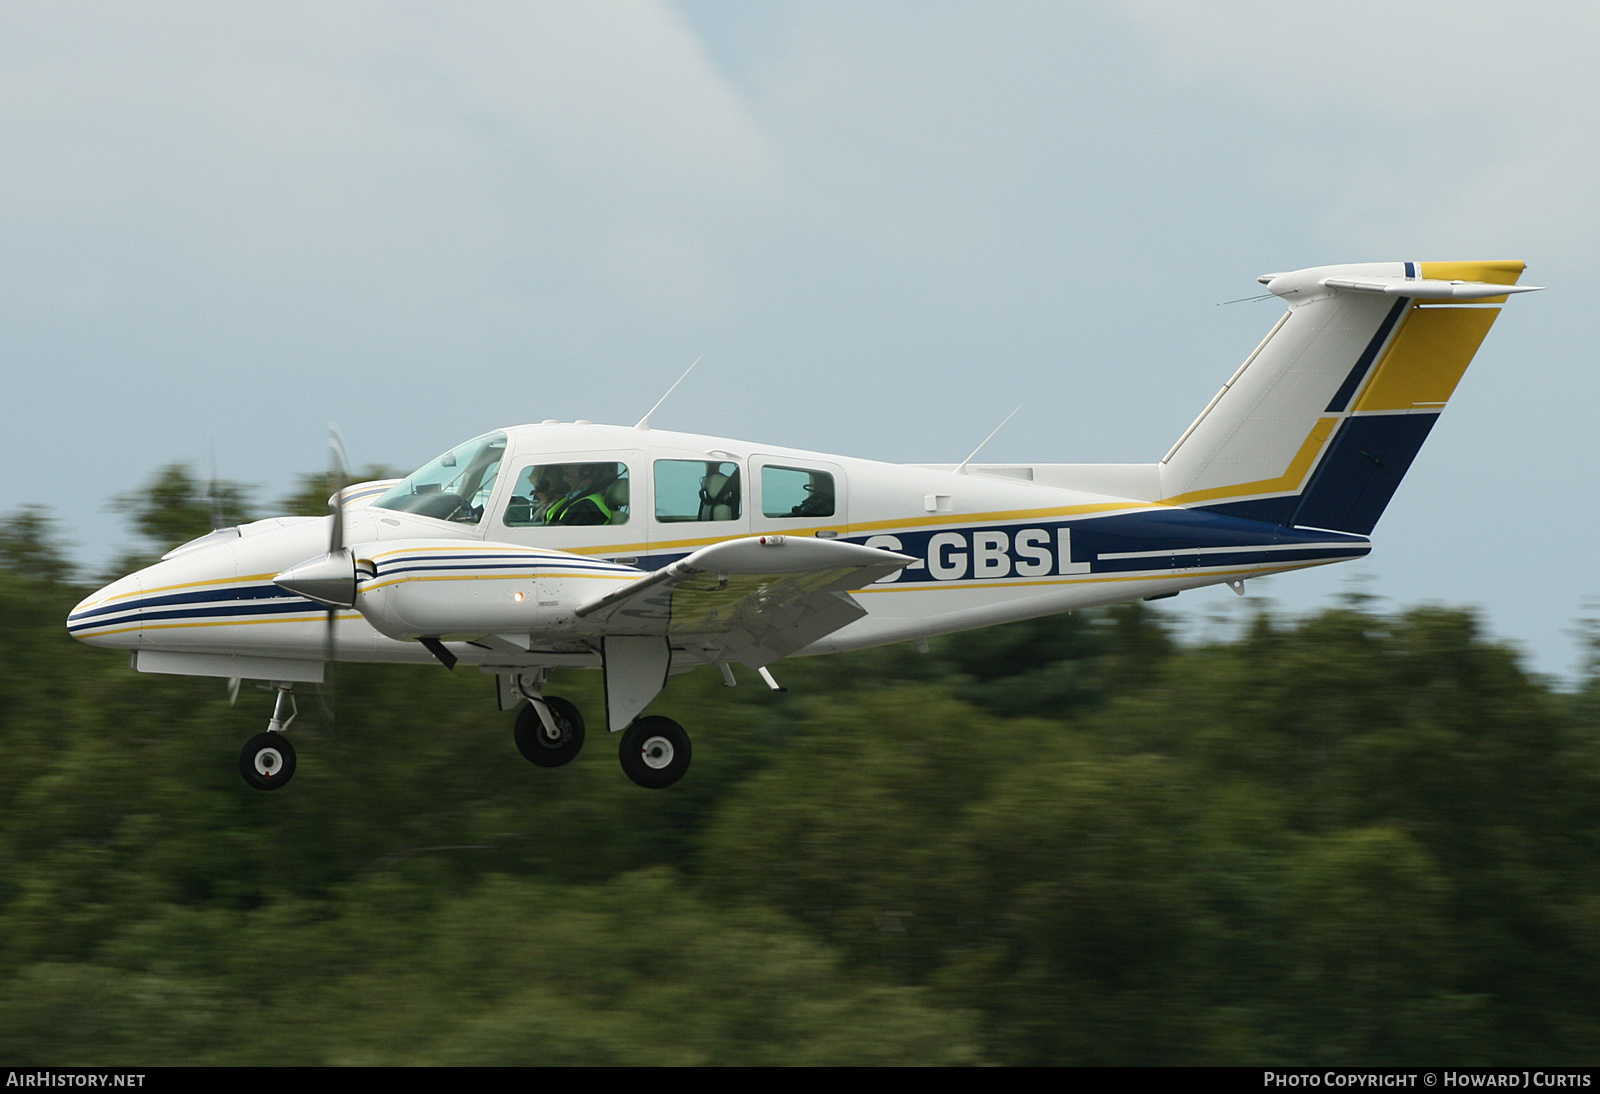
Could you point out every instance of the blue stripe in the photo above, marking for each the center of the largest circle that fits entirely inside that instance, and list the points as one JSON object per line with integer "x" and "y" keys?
{"x": 1358, "y": 372}
{"x": 204, "y": 596}
{"x": 137, "y": 614}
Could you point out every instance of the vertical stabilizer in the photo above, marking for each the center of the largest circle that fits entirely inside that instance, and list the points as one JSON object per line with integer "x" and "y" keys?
{"x": 1321, "y": 422}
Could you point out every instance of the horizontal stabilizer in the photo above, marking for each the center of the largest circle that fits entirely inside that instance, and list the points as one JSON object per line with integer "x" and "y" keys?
{"x": 1425, "y": 288}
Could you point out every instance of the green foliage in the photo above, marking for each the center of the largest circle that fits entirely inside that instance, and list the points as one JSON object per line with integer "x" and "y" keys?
{"x": 1352, "y": 838}
{"x": 177, "y": 506}
{"x": 311, "y": 493}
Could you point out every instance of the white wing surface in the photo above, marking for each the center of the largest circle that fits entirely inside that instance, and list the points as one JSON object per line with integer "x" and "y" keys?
{"x": 755, "y": 599}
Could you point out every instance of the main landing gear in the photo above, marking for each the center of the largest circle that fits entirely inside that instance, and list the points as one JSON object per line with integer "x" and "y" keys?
{"x": 654, "y": 751}
{"x": 267, "y": 760}
{"x": 549, "y": 743}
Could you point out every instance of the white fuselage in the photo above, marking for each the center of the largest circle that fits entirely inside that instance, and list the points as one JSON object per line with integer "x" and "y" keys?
{"x": 990, "y": 544}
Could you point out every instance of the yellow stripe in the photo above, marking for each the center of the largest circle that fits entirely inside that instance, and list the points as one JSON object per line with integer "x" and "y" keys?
{"x": 216, "y": 623}
{"x": 1503, "y": 272}
{"x": 1426, "y": 359}
{"x": 184, "y": 585}
{"x": 1290, "y": 480}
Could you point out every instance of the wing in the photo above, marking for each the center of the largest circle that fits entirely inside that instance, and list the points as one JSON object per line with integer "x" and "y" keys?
{"x": 756, "y": 599}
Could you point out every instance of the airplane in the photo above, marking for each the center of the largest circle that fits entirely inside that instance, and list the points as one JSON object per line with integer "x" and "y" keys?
{"x": 644, "y": 553}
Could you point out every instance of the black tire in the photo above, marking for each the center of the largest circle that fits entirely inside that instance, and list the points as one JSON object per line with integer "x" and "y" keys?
{"x": 655, "y": 752}
{"x": 267, "y": 761}
{"x": 535, "y": 743}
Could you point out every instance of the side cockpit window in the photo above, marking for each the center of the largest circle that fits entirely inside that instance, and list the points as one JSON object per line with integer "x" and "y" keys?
{"x": 454, "y": 487}
{"x": 694, "y": 490}
{"x": 796, "y": 492}
{"x": 569, "y": 494}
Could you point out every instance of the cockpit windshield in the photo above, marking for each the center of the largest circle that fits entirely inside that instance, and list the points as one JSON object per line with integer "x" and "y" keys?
{"x": 454, "y": 487}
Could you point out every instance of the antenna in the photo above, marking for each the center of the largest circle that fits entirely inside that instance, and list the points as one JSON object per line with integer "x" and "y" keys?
{"x": 644, "y": 423}
{"x": 962, "y": 470}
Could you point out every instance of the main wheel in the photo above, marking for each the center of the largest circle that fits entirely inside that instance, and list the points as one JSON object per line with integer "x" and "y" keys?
{"x": 536, "y": 743}
{"x": 267, "y": 761}
{"x": 654, "y": 752}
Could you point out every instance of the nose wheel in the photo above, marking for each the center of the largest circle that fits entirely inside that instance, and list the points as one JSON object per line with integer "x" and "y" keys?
{"x": 654, "y": 752}
{"x": 267, "y": 761}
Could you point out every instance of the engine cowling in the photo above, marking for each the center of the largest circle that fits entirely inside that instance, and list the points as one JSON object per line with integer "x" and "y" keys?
{"x": 450, "y": 589}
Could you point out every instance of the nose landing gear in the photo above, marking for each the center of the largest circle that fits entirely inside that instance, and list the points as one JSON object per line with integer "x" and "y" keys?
{"x": 267, "y": 760}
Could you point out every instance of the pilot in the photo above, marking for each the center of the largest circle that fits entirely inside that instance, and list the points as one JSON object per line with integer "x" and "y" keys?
{"x": 585, "y": 504}
{"x": 549, "y": 487}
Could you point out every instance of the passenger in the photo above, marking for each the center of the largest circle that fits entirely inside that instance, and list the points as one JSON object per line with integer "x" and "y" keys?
{"x": 819, "y": 499}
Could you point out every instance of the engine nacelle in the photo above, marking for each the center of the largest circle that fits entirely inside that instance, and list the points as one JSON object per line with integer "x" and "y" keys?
{"x": 410, "y": 589}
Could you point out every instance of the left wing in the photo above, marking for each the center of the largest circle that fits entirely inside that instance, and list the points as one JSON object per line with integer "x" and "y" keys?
{"x": 758, "y": 599}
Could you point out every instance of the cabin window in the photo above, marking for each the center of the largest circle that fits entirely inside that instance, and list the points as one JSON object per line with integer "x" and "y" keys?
{"x": 796, "y": 492}
{"x": 697, "y": 490}
{"x": 454, "y": 487}
{"x": 569, "y": 495}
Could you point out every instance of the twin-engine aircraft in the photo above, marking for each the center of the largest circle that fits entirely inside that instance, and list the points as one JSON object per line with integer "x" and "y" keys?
{"x": 644, "y": 553}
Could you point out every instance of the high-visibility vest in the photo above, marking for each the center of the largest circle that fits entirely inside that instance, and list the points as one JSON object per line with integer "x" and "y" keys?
{"x": 561, "y": 508}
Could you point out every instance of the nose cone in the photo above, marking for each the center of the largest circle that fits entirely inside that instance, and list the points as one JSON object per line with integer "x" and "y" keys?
{"x": 111, "y": 617}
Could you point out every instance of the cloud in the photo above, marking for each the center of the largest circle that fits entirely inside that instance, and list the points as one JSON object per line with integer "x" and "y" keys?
{"x": 1441, "y": 127}
{"x": 380, "y": 135}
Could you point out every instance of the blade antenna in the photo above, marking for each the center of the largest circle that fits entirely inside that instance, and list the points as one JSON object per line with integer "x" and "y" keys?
{"x": 962, "y": 470}
{"x": 644, "y": 423}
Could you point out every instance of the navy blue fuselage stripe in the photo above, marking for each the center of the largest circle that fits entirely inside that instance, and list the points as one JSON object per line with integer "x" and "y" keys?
{"x": 140, "y": 614}
{"x": 205, "y": 596}
{"x": 1279, "y": 510}
{"x": 1347, "y": 390}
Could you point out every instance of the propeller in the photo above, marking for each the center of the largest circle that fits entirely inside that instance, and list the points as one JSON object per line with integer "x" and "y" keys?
{"x": 329, "y": 579}
{"x": 338, "y": 479}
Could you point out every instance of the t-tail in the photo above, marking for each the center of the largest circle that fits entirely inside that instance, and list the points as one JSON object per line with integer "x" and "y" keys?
{"x": 1319, "y": 425}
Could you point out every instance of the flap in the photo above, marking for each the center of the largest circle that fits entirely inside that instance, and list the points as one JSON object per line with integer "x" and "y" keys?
{"x": 755, "y": 599}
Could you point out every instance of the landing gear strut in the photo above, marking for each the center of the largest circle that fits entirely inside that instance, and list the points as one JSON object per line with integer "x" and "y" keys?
{"x": 267, "y": 760}
{"x": 654, "y": 752}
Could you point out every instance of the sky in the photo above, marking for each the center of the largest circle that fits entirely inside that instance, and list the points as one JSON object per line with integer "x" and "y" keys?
{"x": 881, "y": 226}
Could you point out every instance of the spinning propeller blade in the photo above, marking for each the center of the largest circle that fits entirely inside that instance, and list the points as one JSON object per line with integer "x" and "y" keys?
{"x": 213, "y": 501}
{"x": 338, "y": 479}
